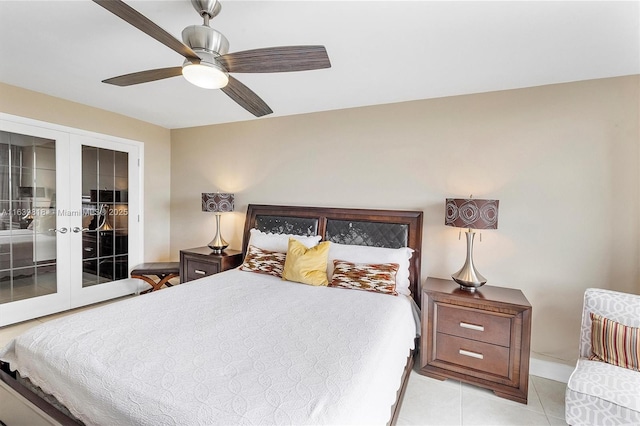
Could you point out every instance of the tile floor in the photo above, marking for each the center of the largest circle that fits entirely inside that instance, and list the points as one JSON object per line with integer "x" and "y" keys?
{"x": 432, "y": 402}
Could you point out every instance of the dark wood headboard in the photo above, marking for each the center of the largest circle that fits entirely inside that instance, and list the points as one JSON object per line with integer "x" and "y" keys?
{"x": 381, "y": 228}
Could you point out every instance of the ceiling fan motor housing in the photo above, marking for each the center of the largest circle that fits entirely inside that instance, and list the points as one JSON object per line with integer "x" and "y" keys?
{"x": 202, "y": 37}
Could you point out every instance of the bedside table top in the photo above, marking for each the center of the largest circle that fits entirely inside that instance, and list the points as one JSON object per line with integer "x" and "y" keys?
{"x": 206, "y": 251}
{"x": 485, "y": 293}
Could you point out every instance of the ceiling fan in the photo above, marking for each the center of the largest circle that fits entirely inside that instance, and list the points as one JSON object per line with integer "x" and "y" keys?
{"x": 207, "y": 63}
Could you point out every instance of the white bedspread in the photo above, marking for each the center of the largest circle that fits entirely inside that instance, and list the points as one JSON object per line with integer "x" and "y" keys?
{"x": 233, "y": 348}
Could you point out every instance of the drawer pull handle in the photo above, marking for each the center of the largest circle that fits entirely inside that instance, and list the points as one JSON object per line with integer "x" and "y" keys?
{"x": 472, "y": 326}
{"x": 471, "y": 354}
{"x": 199, "y": 272}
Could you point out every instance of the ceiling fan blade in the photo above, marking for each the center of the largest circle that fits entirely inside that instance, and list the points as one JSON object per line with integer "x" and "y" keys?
{"x": 144, "y": 76}
{"x": 138, "y": 20}
{"x": 277, "y": 59}
{"x": 246, "y": 98}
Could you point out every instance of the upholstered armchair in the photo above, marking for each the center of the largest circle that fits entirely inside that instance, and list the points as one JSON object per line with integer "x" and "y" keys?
{"x": 599, "y": 393}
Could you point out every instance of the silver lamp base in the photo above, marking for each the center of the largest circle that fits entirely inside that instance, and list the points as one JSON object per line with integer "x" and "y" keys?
{"x": 468, "y": 276}
{"x": 218, "y": 244}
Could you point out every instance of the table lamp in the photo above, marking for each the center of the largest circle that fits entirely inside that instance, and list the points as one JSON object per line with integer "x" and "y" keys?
{"x": 218, "y": 203}
{"x": 471, "y": 214}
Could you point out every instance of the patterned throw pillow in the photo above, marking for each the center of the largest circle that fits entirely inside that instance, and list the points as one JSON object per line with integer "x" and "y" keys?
{"x": 377, "y": 277}
{"x": 264, "y": 261}
{"x": 615, "y": 343}
{"x": 367, "y": 254}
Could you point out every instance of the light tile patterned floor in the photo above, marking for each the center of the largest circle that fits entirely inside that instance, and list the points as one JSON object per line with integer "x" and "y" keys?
{"x": 432, "y": 402}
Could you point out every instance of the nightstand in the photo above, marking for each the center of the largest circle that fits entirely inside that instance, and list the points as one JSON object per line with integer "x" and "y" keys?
{"x": 201, "y": 262}
{"x": 479, "y": 337}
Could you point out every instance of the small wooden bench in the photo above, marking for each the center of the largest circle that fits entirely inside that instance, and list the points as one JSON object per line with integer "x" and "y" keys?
{"x": 164, "y": 271}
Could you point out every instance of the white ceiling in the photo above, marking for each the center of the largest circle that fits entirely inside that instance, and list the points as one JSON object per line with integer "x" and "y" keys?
{"x": 381, "y": 52}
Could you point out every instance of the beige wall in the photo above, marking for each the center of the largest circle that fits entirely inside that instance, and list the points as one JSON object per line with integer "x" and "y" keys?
{"x": 563, "y": 160}
{"x": 157, "y": 151}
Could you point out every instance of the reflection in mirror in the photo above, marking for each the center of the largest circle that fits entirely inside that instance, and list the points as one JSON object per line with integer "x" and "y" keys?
{"x": 27, "y": 212}
{"x": 105, "y": 214}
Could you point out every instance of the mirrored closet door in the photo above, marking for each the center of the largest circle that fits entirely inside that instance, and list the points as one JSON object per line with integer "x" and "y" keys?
{"x": 69, "y": 220}
{"x": 105, "y": 188}
{"x": 32, "y": 263}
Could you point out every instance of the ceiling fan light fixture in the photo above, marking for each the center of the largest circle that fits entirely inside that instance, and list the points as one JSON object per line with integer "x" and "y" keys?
{"x": 207, "y": 61}
{"x": 205, "y": 75}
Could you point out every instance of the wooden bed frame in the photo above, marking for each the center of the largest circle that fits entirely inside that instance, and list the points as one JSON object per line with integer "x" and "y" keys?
{"x": 411, "y": 220}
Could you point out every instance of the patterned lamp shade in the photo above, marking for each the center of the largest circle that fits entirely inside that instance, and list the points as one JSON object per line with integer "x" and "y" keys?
{"x": 217, "y": 202}
{"x": 472, "y": 213}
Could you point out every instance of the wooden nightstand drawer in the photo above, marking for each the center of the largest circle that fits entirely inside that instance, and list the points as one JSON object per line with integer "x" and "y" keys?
{"x": 197, "y": 269}
{"x": 473, "y": 324}
{"x": 473, "y": 355}
{"x": 201, "y": 262}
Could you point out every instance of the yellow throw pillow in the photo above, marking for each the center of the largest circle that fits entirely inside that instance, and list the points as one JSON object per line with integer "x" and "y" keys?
{"x": 306, "y": 265}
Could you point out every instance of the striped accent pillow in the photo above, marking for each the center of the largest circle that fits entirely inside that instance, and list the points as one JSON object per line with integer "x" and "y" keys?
{"x": 615, "y": 343}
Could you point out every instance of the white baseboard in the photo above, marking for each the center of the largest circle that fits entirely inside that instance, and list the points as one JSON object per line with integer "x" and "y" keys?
{"x": 550, "y": 370}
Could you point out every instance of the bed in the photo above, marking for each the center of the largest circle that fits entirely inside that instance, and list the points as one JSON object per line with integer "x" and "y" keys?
{"x": 240, "y": 347}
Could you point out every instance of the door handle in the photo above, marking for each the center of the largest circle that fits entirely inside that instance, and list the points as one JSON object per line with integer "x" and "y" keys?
{"x": 61, "y": 230}
{"x": 77, "y": 229}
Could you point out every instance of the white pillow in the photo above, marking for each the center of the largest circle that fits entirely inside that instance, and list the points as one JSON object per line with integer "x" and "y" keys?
{"x": 279, "y": 242}
{"x": 365, "y": 254}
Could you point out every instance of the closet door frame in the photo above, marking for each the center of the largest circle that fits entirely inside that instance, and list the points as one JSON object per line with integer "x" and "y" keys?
{"x": 33, "y": 307}
{"x": 68, "y": 249}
